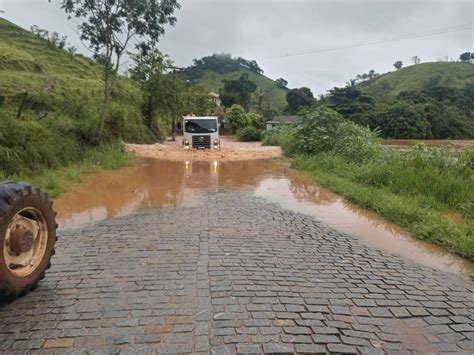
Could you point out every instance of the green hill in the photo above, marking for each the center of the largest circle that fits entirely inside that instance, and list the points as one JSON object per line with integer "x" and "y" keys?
{"x": 386, "y": 87}
{"x": 210, "y": 71}
{"x": 423, "y": 101}
{"x": 212, "y": 81}
{"x": 59, "y": 94}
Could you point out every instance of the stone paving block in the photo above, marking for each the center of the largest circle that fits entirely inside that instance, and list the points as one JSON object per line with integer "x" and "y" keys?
{"x": 248, "y": 349}
{"x": 277, "y": 349}
{"x": 239, "y": 276}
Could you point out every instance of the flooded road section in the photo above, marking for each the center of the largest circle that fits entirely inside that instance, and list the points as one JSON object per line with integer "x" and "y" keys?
{"x": 160, "y": 183}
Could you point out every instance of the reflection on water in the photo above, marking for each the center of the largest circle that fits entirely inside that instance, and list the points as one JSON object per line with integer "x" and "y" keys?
{"x": 161, "y": 183}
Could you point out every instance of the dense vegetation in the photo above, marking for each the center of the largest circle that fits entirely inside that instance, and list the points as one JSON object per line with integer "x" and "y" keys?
{"x": 424, "y": 101}
{"x": 51, "y": 105}
{"x": 349, "y": 159}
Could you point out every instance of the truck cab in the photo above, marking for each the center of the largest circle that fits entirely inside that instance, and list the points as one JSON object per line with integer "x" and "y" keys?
{"x": 201, "y": 132}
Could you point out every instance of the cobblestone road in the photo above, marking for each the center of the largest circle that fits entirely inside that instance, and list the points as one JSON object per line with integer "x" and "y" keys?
{"x": 234, "y": 275}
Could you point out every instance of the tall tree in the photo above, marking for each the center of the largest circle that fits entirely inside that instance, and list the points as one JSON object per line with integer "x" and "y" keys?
{"x": 149, "y": 73}
{"x": 282, "y": 83}
{"x": 466, "y": 57}
{"x": 237, "y": 92}
{"x": 398, "y": 64}
{"x": 110, "y": 25}
{"x": 299, "y": 98}
{"x": 349, "y": 100}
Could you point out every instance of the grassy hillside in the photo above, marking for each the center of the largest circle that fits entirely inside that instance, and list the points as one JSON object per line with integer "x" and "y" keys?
{"x": 59, "y": 122}
{"x": 213, "y": 82}
{"x": 386, "y": 87}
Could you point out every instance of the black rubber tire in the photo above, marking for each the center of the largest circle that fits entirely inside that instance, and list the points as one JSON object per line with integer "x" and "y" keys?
{"x": 13, "y": 198}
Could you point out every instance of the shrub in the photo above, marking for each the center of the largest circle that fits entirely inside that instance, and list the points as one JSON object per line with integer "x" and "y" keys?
{"x": 249, "y": 134}
{"x": 256, "y": 119}
{"x": 355, "y": 142}
{"x": 316, "y": 130}
{"x": 283, "y": 136}
{"x": 404, "y": 120}
{"x": 237, "y": 118}
{"x": 277, "y": 135}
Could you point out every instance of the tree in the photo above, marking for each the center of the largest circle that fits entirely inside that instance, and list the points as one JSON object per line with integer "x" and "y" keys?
{"x": 237, "y": 92}
{"x": 237, "y": 118}
{"x": 250, "y": 64}
{"x": 349, "y": 101}
{"x": 406, "y": 121}
{"x": 282, "y": 83}
{"x": 196, "y": 100}
{"x": 256, "y": 120}
{"x": 466, "y": 57}
{"x": 110, "y": 25}
{"x": 149, "y": 73}
{"x": 398, "y": 64}
{"x": 299, "y": 98}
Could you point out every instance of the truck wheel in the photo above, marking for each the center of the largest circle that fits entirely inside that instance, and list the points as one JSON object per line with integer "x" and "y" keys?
{"x": 27, "y": 237}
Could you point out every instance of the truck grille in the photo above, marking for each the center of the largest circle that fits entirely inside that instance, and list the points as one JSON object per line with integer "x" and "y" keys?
{"x": 202, "y": 142}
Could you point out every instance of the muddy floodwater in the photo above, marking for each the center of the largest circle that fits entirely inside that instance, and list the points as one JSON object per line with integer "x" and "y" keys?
{"x": 154, "y": 183}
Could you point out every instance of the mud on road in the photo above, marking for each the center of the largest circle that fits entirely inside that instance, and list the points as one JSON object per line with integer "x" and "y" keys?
{"x": 231, "y": 150}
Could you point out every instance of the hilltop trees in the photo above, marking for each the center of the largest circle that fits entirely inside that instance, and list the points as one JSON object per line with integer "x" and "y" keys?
{"x": 415, "y": 59}
{"x": 109, "y": 26}
{"x": 250, "y": 65}
{"x": 466, "y": 57}
{"x": 222, "y": 63}
{"x": 398, "y": 64}
{"x": 366, "y": 76}
{"x": 282, "y": 83}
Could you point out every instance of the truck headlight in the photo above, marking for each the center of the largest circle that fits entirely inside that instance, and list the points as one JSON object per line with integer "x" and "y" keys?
{"x": 186, "y": 143}
{"x": 216, "y": 143}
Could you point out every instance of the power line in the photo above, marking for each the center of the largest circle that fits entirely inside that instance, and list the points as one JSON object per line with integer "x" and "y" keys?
{"x": 431, "y": 33}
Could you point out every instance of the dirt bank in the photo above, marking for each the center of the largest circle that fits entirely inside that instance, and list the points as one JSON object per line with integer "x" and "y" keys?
{"x": 231, "y": 150}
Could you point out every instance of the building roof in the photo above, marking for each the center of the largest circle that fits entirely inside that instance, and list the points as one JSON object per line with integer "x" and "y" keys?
{"x": 283, "y": 119}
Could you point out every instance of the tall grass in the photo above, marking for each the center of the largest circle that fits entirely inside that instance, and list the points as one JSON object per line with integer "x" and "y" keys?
{"x": 420, "y": 189}
{"x": 56, "y": 136}
{"x": 57, "y": 180}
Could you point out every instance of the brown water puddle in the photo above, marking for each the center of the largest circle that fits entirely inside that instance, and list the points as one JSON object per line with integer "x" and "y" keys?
{"x": 162, "y": 183}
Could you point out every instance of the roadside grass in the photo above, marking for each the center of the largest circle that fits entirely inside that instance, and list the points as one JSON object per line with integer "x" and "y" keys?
{"x": 419, "y": 214}
{"x": 428, "y": 191}
{"x": 59, "y": 180}
{"x": 60, "y": 99}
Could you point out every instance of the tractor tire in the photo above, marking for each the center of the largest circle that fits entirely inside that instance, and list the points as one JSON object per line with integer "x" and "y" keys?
{"x": 27, "y": 237}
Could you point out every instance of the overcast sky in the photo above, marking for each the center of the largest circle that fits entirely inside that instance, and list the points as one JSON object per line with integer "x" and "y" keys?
{"x": 267, "y": 30}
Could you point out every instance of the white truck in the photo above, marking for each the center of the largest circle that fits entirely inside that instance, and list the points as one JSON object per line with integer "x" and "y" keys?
{"x": 201, "y": 132}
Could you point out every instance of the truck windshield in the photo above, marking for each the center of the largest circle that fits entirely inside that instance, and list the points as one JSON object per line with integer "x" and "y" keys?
{"x": 200, "y": 126}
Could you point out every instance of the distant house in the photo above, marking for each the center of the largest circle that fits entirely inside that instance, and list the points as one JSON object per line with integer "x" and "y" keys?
{"x": 215, "y": 98}
{"x": 278, "y": 120}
